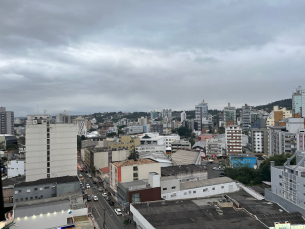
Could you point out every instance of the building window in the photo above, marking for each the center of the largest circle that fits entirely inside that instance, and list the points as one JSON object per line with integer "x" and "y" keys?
{"x": 31, "y": 198}
{"x": 28, "y": 190}
{"x": 48, "y": 175}
{"x": 136, "y": 197}
{"x": 41, "y": 197}
{"x": 48, "y": 153}
{"x": 222, "y": 186}
{"x": 40, "y": 189}
{"x": 205, "y": 189}
{"x": 53, "y": 195}
{"x": 173, "y": 187}
{"x": 194, "y": 191}
{"x": 48, "y": 170}
{"x": 20, "y": 191}
{"x": 16, "y": 192}
{"x": 35, "y": 189}
{"x": 135, "y": 168}
{"x": 135, "y": 175}
{"x": 16, "y": 200}
{"x": 36, "y": 197}
{"x": 48, "y": 164}
{"x": 48, "y": 158}
{"x": 213, "y": 188}
{"x": 26, "y": 198}
{"x": 164, "y": 188}
{"x": 46, "y": 187}
{"x": 53, "y": 187}
{"x": 185, "y": 193}
{"x": 21, "y": 199}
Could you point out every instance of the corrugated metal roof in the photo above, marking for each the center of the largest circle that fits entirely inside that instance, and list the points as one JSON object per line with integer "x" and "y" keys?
{"x": 204, "y": 183}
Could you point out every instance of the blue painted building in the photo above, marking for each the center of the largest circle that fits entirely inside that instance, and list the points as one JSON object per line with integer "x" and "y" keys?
{"x": 243, "y": 160}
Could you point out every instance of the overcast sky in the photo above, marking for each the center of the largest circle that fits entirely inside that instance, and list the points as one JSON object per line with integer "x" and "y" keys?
{"x": 137, "y": 55}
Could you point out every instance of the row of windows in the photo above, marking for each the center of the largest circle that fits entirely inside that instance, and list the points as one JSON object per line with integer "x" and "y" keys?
{"x": 35, "y": 189}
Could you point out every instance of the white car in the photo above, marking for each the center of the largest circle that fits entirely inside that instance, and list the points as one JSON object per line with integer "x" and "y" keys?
{"x": 118, "y": 211}
{"x": 95, "y": 198}
{"x": 100, "y": 189}
{"x": 216, "y": 168}
{"x": 87, "y": 186}
{"x": 104, "y": 194}
{"x": 80, "y": 175}
{"x": 89, "y": 175}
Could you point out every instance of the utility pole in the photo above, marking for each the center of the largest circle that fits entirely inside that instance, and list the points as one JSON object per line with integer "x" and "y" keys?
{"x": 104, "y": 223}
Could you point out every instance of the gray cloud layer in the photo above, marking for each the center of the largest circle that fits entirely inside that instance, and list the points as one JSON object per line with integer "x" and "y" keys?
{"x": 143, "y": 55}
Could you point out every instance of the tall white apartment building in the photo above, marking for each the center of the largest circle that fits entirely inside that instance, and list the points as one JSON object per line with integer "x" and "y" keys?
{"x": 142, "y": 121}
{"x": 81, "y": 124}
{"x": 50, "y": 148}
{"x": 234, "y": 139}
{"x": 183, "y": 116}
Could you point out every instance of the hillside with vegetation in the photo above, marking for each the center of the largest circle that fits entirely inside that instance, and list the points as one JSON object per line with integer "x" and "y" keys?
{"x": 281, "y": 103}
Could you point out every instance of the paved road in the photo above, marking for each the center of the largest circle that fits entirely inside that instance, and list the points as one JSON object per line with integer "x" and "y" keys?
{"x": 112, "y": 220}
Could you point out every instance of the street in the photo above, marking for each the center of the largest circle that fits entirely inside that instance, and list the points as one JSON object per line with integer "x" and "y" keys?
{"x": 112, "y": 220}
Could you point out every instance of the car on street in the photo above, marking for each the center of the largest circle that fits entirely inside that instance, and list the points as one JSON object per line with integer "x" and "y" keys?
{"x": 100, "y": 189}
{"x": 104, "y": 195}
{"x": 118, "y": 211}
{"x": 215, "y": 168}
{"x": 80, "y": 175}
{"x": 87, "y": 186}
{"x": 86, "y": 171}
{"x": 94, "y": 182}
{"x": 95, "y": 198}
{"x": 222, "y": 174}
{"x": 89, "y": 175}
{"x": 88, "y": 198}
{"x": 111, "y": 203}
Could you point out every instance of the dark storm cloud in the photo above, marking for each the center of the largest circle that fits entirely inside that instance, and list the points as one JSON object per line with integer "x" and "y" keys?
{"x": 142, "y": 55}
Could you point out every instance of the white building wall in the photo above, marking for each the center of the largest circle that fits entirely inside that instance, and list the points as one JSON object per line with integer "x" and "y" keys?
{"x": 15, "y": 168}
{"x": 202, "y": 191}
{"x": 170, "y": 139}
{"x": 303, "y": 103}
{"x": 139, "y": 219}
{"x": 63, "y": 148}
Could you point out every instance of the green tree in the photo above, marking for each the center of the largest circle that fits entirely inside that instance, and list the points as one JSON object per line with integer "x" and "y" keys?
{"x": 110, "y": 135}
{"x": 221, "y": 130}
{"x": 134, "y": 156}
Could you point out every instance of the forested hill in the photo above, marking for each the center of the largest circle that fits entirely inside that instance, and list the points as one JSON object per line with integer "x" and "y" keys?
{"x": 281, "y": 103}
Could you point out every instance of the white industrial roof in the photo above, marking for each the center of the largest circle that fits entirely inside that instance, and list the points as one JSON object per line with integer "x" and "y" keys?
{"x": 184, "y": 157}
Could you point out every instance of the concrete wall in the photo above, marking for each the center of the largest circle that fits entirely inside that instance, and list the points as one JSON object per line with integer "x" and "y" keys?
{"x": 119, "y": 155}
{"x": 15, "y": 168}
{"x": 101, "y": 159}
{"x": 166, "y": 185}
{"x": 62, "y": 150}
{"x": 202, "y": 191}
{"x": 67, "y": 187}
{"x": 34, "y": 192}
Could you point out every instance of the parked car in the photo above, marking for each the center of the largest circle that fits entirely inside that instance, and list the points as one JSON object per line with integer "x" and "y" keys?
{"x": 95, "y": 198}
{"x": 85, "y": 192}
{"x": 100, "y": 189}
{"x": 80, "y": 175}
{"x": 94, "y": 182}
{"x": 87, "y": 186}
{"x": 215, "y": 168}
{"x": 111, "y": 203}
{"x": 88, "y": 198}
{"x": 118, "y": 211}
{"x": 222, "y": 175}
{"x": 86, "y": 171}
{"x": 107, "y": 198}
{"x": 105, "y": 194}
{"x": 89, "y": 175}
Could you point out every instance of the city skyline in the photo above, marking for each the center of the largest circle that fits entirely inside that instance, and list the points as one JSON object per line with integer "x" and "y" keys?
{"x": 83, "y": 59}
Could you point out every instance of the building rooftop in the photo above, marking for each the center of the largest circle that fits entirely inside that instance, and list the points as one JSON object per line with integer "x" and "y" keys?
{"x": 105, "y": 169}
{"x": 141, "y": 161}
{"x": 134, "y": 183}
{"x": 204, "y": 183}
{"x": 199, "y": 144}
{"x": 12, "y": 181}
{"x": 184, "y": 157}
{"x": 58, "y": 180}
{"x": 194, "y": 214}
{"x": 174, "y": 170}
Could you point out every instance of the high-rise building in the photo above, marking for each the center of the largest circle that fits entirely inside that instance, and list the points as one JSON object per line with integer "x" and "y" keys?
{"x": 229, "y": 115}
{"x": 258, "y": 140}
{"x": 167, "y": 113}
{"x": 183, "y": 116}
{"x": 246, "y": 117}
{"x": 81, "y": 124}
{"x": 303, "y": 103}
{"x": 63, "y": 118}
{"x": 201, "y": 113}
{"x": 142, "y": 121}
{"x": 6, "y": 121}
{"x": 153, "y": 114}
{"x": 50, "y": 148}
{"x": 297, "y": 103}
{"x": 233, "y": 139}
{"x": 277, "y": 115}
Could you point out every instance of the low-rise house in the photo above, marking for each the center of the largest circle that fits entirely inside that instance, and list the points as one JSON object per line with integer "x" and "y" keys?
{"x": 130, "y": 170}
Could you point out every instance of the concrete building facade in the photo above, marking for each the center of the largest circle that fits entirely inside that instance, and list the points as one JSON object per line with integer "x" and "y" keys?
{"x": 258, "y": 141}
{"x": 180, "y": 145}
{"x": 297, "y": 103}
{"x": 201, "y": 113}
{"x": 246, "y": 117}
{"x": 233, "y": 139}
{"x": 49, "y": 147}
{"x": 81, "y": 124}
{"x": 229, "y": 115}
{"x": 6, "y": 121}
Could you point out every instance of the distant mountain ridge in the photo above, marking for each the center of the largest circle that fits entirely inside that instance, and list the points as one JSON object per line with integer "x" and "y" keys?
{"x": 281, "y": 103}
